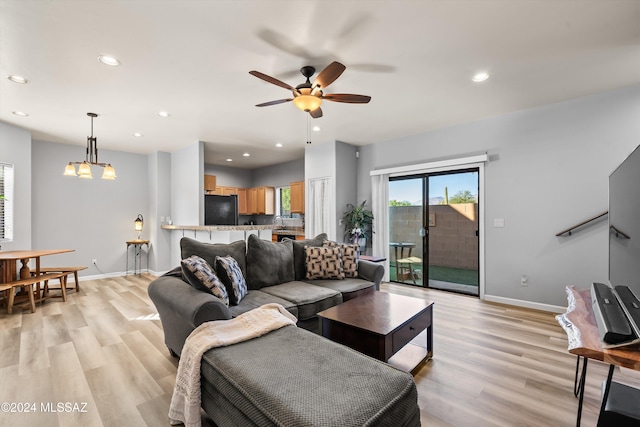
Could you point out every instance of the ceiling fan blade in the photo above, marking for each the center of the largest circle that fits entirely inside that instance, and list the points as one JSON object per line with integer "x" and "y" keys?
{"x": 272, "y": 80}
{"x": 279, "y": 101}
{"x": 316, "y": 114}
{"x": 348, "y": 98}
{"x": 329, "y": 74}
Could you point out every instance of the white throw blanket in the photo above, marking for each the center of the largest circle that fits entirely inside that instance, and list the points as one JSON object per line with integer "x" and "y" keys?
{"x": 186, "y": 400}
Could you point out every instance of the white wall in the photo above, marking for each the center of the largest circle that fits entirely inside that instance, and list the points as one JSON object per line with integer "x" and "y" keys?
{"x": 320, "y": 162}
{"x": 548, "y": 170}
{"x": 15, "y": 148}
{"x": 93, "y": 216}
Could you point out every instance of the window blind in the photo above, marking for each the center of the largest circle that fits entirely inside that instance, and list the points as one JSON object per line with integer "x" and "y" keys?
{"x": 6, "y": 202}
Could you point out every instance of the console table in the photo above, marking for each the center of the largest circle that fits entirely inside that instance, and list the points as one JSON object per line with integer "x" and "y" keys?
{"x": 584, "y": 341}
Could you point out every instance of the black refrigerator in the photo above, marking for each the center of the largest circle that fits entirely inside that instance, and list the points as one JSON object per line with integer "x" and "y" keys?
{"x": 220, "y": 210}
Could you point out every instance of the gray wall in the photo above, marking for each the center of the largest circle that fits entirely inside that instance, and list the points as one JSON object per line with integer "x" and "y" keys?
{"x": 159, "y": 179}
{"x": 548, "y": 170}
{"x": 230, "y": 177}
{"x": 15, "y": 148}
{"x": 279, "y": 175}
{"x": 346, "y": 183}
{"x": 95, "y": 217}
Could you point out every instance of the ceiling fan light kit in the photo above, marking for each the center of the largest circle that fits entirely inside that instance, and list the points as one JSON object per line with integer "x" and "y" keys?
{"x": 308, "y": 96}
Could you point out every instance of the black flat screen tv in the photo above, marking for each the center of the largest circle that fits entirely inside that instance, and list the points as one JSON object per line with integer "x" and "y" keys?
{"x": 220, "y": 210}
{"x": 624, "y": 224}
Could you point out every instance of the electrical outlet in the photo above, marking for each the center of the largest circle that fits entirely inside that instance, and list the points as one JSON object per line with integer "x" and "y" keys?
{"x": 94, "y": 261}
{"x": 524, "y": 280}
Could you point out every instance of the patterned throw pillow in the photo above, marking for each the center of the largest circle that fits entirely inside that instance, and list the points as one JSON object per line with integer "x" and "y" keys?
{"x": 200, "y": 275}
{"x": 234, "y": 280}
{"x": 324, "y": 263}
{"x": 349, "y": 256}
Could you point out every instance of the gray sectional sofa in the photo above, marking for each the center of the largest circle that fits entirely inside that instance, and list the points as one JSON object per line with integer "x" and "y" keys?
{"x": 274, "y": 272}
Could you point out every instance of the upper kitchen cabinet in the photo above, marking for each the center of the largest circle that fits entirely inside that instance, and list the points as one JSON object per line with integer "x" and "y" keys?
{"x": 265, "y": 203}
{"x": 209, "y": 183}
{"x": 242, "y": 202}
{"x": 297, "y": 197}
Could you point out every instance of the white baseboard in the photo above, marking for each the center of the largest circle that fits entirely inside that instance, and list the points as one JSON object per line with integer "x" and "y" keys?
{"x": 526, "y": 304}
{"x": 71, "y": 279}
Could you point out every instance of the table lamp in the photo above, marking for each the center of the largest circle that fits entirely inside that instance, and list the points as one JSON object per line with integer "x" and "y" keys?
{"x": 138, "y": 223}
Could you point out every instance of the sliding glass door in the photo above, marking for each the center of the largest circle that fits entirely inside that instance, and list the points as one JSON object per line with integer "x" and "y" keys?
{"x": 433, "y": 230}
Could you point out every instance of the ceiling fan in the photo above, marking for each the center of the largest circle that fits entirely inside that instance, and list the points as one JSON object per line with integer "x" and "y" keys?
{"x": 308, "y": 96}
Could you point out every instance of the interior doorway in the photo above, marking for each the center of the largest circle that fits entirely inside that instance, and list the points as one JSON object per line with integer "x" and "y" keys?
{"x": 434, "y": 230}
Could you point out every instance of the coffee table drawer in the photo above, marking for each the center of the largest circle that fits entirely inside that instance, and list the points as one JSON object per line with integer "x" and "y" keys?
{"x": 409, "y": 331}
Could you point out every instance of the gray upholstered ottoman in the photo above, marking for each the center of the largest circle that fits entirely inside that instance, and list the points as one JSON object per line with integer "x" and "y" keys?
{"x": 292, "y": 377}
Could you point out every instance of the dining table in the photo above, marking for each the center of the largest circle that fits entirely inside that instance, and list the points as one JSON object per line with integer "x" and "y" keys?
{"x": 9, "y": 271}
{"x": 9, "y": 262}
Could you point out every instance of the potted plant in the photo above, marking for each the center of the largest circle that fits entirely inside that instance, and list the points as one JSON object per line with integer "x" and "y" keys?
{"x": 357, "y": 222}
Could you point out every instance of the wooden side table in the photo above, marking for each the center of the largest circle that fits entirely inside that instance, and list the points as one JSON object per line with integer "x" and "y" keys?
{"x": 137, "y": 249}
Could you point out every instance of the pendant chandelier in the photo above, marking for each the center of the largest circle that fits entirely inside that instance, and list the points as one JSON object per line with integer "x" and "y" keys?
{"x": 84, "y": 168}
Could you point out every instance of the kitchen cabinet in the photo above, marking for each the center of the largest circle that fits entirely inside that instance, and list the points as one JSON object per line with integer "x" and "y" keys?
{"x": 209, "y": 183}
{"x": 228, "y": 191}
{"x": 242, "y": 201}
{"x": 252, "y": 201}
{"x": 265, "y": 204}
{"x": 297, "y": 197}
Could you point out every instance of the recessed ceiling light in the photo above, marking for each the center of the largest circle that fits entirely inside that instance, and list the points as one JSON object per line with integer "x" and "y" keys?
{"x": 18, "y": 79}
{"x": 109, "y": 60}
{"x": 246, "y": 155}
{"x": 229, "y": 160}
{"x": 316, "y": 129}
{"x": 20, "y": 113}
{"x": 279, "y": 145}
{"x": 480, "y": 77}
{"x": 163, "y": 114}
{"x": 138, "y": 135}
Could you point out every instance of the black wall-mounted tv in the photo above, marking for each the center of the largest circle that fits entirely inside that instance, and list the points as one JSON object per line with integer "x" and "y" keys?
{"x": 624, "y": 224}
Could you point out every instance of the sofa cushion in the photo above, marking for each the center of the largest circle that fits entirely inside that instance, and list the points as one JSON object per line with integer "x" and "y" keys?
{"x": 268, "y": 263}
{"x": 200, "y": 275}
{"x": 310, "y": 299}
{"x": 256, "y": 298}
{"x": 349, "y": 288}
{"x": 209, "y": 251}
{"x": 324, "y": 263}
{"x": 300, "y": 257}
{"x": 232, "y": 277}
{"x": 349, "y": 256}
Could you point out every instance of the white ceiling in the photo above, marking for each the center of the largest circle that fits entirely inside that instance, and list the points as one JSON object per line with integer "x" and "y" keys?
{"x": 192, "y": 58}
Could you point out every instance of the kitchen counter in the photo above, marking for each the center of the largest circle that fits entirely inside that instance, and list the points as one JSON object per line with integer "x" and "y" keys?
{"x": 214, "y": 234}
{"x": 218, "y": 227}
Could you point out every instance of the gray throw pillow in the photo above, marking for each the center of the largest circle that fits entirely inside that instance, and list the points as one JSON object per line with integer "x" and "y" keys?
{"x": 209, "y": 251}
{"x": 300, "y": 256}
{"x": 200, "y": 275}
{"x": 268, "y": 263}
{"x": 232, "y": 277}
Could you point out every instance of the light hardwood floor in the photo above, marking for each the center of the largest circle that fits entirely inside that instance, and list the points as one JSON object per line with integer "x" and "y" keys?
{"x": 493, "y": 364}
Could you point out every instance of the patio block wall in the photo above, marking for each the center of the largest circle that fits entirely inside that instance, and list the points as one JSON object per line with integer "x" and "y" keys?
{"x": 453, "y": 241}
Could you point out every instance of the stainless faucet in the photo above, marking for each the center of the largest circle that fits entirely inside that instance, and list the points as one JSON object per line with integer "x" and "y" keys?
{"x": 275, "y": 219}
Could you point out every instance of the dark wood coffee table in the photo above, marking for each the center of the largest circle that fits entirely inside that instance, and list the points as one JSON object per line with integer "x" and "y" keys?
{"x": 382, "y": 325}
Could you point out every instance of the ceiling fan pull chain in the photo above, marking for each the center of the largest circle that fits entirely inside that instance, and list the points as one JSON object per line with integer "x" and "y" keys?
{"x": 308, "y": 137}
